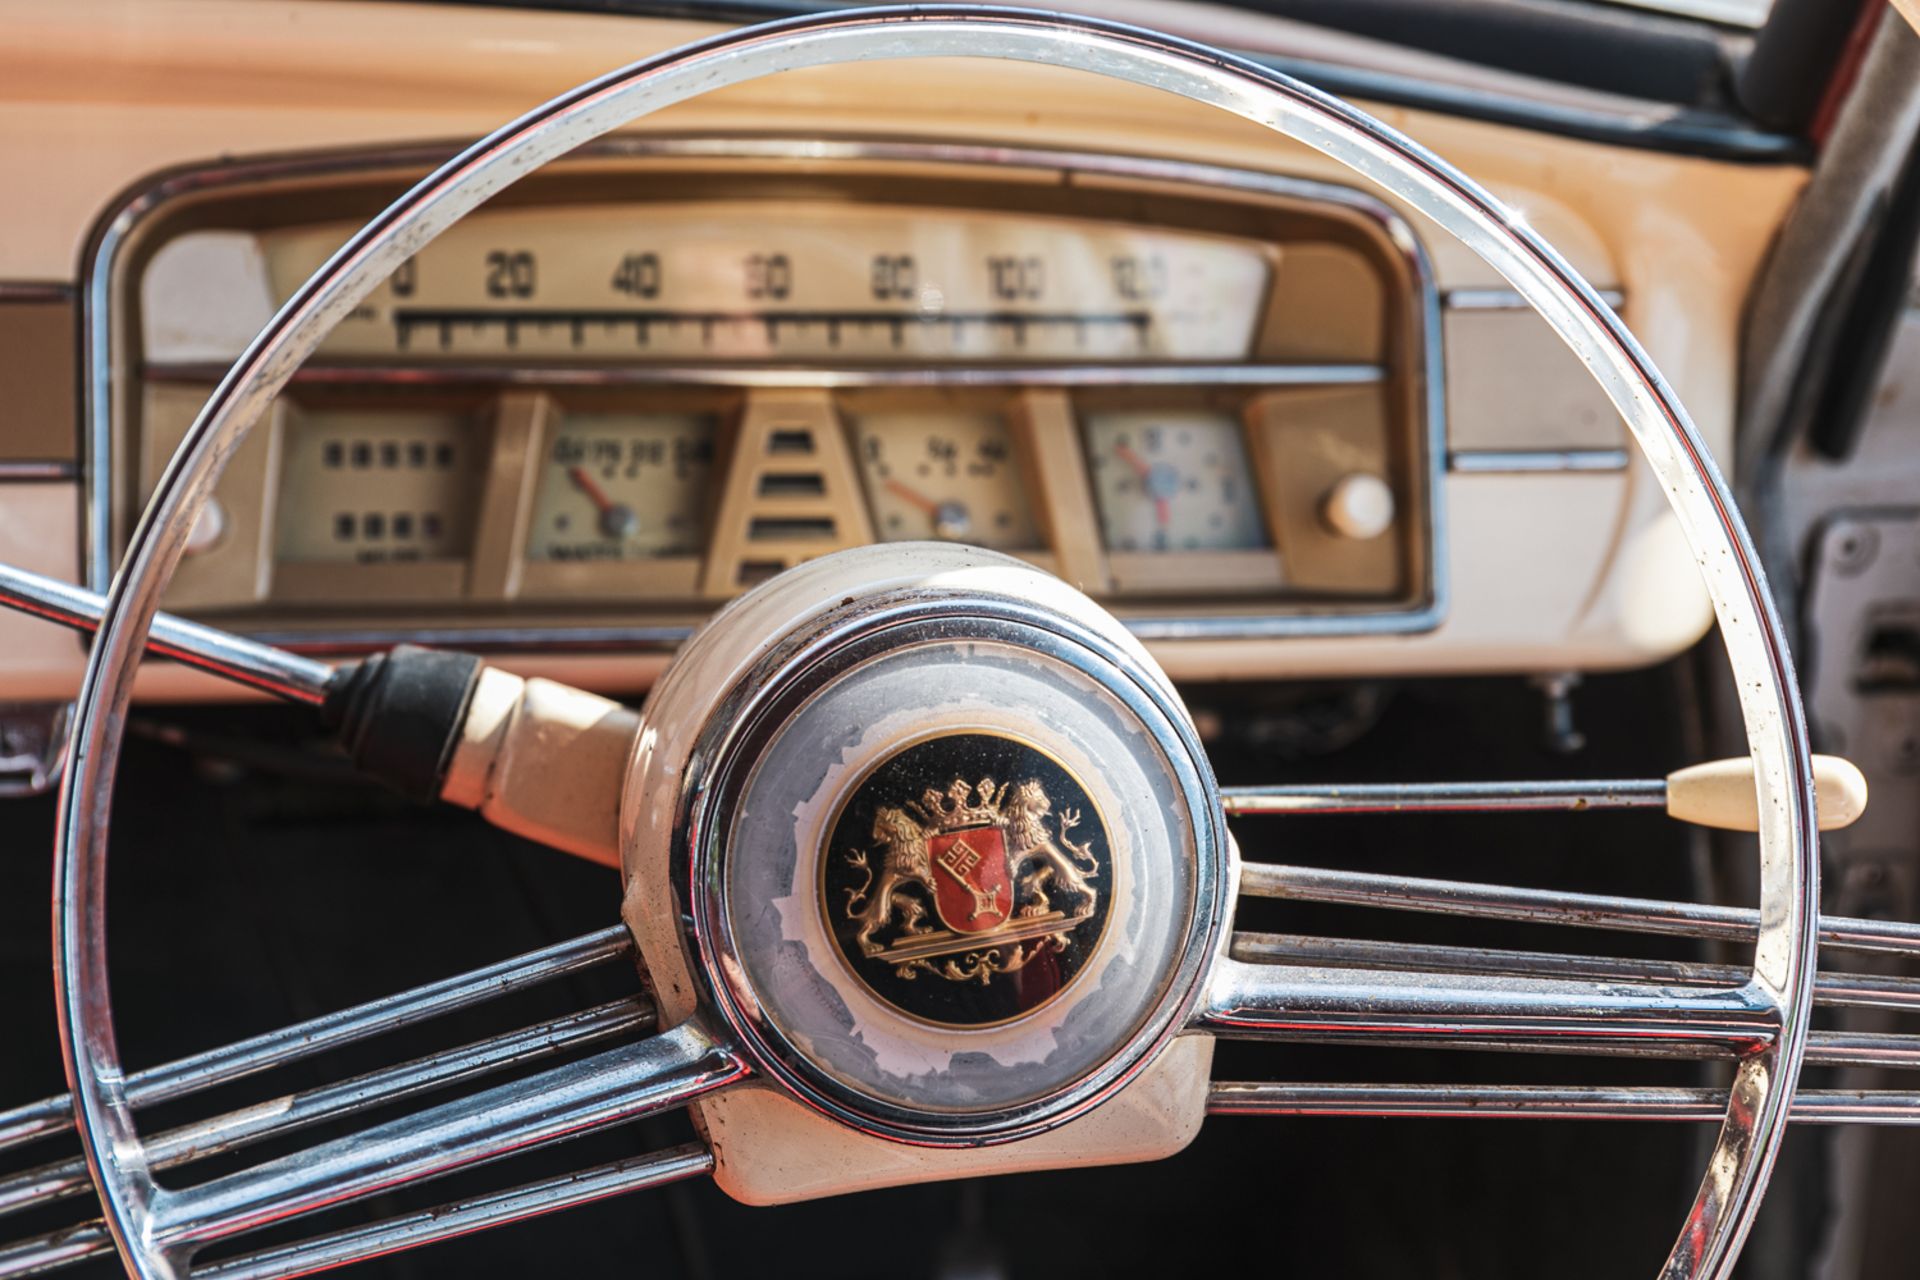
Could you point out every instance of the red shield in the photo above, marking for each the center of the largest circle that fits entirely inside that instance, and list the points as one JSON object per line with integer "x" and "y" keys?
{"x": 972, "y": 890}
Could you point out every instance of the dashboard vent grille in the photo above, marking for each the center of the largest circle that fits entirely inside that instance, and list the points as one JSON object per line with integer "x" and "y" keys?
{"x": 775, "y": 510}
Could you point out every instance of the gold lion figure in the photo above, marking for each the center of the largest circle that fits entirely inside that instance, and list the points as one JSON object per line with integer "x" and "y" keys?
{"x": 1031, "y": 842}
{"x": 905, "y": 863}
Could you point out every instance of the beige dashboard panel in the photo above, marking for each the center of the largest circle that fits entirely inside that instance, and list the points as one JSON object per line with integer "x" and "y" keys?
{"x": 1305, "y": 441}
{"x": 89, "y": 108}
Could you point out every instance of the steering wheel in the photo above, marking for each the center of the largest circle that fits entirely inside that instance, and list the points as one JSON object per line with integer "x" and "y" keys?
{"x": 900, "y": 726}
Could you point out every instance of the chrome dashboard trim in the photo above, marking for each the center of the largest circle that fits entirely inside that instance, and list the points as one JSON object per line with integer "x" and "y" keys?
{"x": 720, "y": 375}
{"x": 38, "y": 471}
{"x": 647, "y": 638}
{"x": 104, "y": 342}
{"x": 36, "y": 291}
{"x": 1510, "y": 300}
{"x": 1500, "y": 462}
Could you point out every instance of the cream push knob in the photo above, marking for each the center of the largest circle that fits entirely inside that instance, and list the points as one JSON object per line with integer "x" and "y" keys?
{"x": 1359, "y": 506}
{"x": 1720, "y": 794}
{"x": 208, "y": 528}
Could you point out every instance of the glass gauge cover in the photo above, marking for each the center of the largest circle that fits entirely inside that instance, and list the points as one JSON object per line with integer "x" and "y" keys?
{"x": 1173, "y": 480}
{"x": 947, "y": 476}
{"x": 622, "y": 486}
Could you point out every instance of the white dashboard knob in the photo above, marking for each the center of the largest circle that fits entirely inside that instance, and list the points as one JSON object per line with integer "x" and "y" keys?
{"x": 208, "y": 528}
{"x": 1359, "y": 506}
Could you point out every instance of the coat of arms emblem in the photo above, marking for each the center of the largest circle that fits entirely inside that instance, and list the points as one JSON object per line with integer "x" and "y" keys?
{"x": 981, "y": 878}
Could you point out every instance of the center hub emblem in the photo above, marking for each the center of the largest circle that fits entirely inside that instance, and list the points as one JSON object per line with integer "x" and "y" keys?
{"x": 967, "y": 879}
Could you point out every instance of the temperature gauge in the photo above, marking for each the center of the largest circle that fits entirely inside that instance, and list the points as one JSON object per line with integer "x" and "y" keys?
{"x": 1173, "y": 481}
{"x": 622, "y": 486}
{"x": 945, "y": 476}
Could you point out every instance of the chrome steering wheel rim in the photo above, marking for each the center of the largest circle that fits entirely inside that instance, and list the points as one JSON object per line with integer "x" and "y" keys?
{"x": 1780, "y": 986}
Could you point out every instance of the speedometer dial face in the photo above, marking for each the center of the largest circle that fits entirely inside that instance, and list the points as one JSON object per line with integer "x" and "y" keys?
{"x": 947, "y": 476}
{"x": 620, "y": 486}
{"x": 1173, "y": 481}
{"x": 816, "y": 282}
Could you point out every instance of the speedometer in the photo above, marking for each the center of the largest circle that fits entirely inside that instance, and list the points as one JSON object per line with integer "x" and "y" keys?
{"x": 722, "y": 281}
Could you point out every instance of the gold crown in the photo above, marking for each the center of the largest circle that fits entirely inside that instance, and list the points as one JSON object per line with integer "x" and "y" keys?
{"x": 963, "y": 804}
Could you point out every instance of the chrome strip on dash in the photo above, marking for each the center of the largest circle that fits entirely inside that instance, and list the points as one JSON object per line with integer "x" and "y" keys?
{"x": 1534, "y": 461}
{"x": 1510, "y": 299}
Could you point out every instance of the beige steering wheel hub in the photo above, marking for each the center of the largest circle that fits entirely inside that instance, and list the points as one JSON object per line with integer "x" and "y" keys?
{"x": 948, "y": 856}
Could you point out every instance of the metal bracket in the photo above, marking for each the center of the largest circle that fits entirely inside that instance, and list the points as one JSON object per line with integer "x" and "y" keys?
{"x": 1562, "y": 735}
{"x": 33, "y": 746}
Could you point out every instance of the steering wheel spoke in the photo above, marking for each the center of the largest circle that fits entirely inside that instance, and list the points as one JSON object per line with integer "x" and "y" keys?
{"x": 613, "y": 1086}
{"x": 640, "y": 1076}
{"x": 538, "y": 758}
{"x": 245, "y": 662}
{"x": 1298, "y": 987}
{"x": 237, "y": 1129}
{"x": 1534, "y": 1015}
{"x": 1834, "y": 989}
{"x": 338, "y": 1249}
{"x": 1546, "y": 1102}
{"x": 71, "y": 1245}
{"x": 1557, "y": 907}
{"x": 302, "y": 1040}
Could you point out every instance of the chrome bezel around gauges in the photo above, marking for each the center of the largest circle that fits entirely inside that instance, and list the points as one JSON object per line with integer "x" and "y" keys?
{"x": 842, "y": 619}
{"x": 145, "y": 215}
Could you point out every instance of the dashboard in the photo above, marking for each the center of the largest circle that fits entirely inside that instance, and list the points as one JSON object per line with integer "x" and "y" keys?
{"x": 1264, "y": 416}
{"x": 667, "y": 371}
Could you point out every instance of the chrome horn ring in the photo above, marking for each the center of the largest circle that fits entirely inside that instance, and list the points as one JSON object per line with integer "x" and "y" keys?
{"x": 1781, "y": 979}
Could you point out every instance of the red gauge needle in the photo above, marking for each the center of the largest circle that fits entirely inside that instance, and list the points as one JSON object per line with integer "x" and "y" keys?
{"x": 1162, "y": 509}
{"x": 589, "y": 486}
{"x": 914, "y": 496}
{"x": 617, "y": 519}
{"x": 949, "y": 519}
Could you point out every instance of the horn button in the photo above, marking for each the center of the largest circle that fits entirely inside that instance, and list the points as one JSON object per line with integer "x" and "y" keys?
{"x": 955, "y": 886}
{"x": 940, "y": 847}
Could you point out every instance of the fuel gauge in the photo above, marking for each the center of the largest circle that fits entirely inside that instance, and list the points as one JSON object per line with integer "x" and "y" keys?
{"x": 622, "y": 487}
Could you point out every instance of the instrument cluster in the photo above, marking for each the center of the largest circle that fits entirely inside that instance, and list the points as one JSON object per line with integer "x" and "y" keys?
{"x": 607, "y": 405}
{"x": 364, "y": 486}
